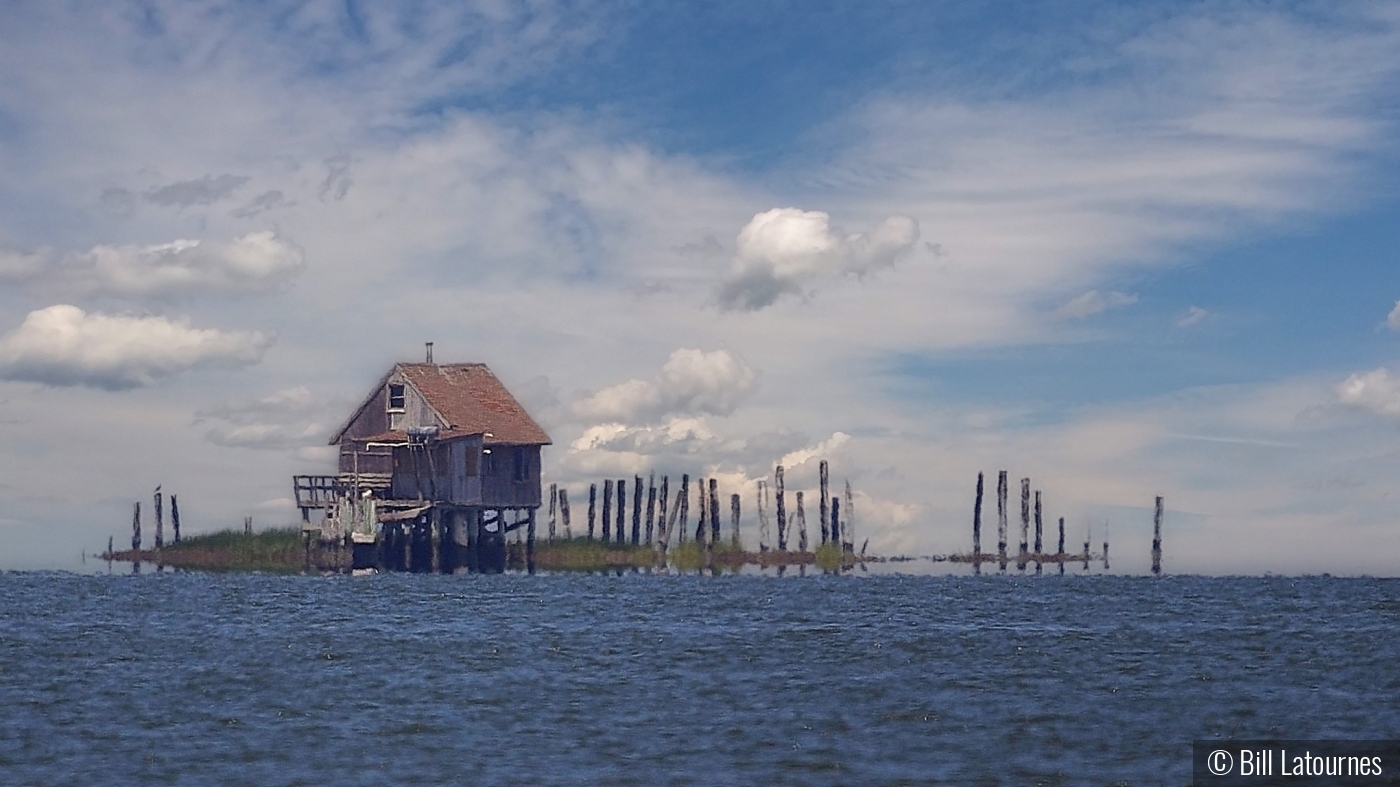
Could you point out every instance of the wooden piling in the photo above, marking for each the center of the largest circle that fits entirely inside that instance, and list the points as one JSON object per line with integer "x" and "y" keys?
{"x": 822, "y": 511}
{"x": 780, "y": 496}
{"x": 977, "y": 520}
{"x": 592, "y": 505}
{"x": 703, "y": 521}
{"x": 175, "y": 517}
{"x": 247, "y": 526}
{"x": 607, "y": 510}
{"x": 1156, "y": 539}
{"x": 836, "y": 521}
{"x": 1060, "y": 552}
{"x": 1037, "y": 523}
{"x": 564, "y": 514}
{"x": 621, "y": 487}
{"x": 651, "y": 507}
{"x": 1025, "y": 519}
{"x": 1001, "y": 516}
{"x": 435, "y": 540}
{"x": 1105, "y": 546}
{"x": 530, "y": 540}
{"x": 848, "y": 531}
{"x": 801, "y": 520}
{"x": 761, "y": 506}
{"x": 714, "y": 512}
{"x": 637, "y": 511}
{"x": 662, "y": 533}
{"x": 160, "y": 521}
{"x": 734, "y": 521}
{"x": 553, "y": 508}
{"x": 682, "y": 508}
{"x": 136, "y": 527}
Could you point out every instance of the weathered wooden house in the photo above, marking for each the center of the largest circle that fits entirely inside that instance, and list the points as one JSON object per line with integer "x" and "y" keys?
{"x": 443, "y": 456}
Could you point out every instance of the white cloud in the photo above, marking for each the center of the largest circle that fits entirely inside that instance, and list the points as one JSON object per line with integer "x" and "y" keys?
{"x": 691, "y": 381}
{"x": 64, "y": 346}
{"x": 1393, "y": 319}
{"x": 17, "y": 266}
{"x": 1192, "y": 316}
{"x": 1375, "y": 391}
{"x": 293, "y": 418}
{"x": 253, "y": 262}
{"x": 1092, "y": 302}
{"x": 781, "y": 250}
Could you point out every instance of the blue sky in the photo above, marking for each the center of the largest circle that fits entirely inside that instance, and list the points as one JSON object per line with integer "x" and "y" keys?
{"x": 1123, "y": 249}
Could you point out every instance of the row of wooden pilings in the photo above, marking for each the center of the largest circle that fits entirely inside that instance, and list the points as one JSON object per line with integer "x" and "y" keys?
{"x": 656, "y": 517}
{"x": 158, "y": 509}
{"x": 1037, "y": 555}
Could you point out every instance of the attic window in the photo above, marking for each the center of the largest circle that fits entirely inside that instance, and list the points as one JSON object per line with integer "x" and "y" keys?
{"x": 396, "y": 397}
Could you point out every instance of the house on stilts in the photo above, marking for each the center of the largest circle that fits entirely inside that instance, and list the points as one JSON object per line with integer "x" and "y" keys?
{"x": 437, "y": 465}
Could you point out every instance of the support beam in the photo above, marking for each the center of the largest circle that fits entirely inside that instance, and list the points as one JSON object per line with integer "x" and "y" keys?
{"x": 822, "y": 508}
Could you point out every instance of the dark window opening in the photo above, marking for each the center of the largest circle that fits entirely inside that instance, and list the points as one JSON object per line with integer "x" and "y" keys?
{"x": 521, "y": 465}
{"x": 396, "y": 396}
{"x": 491, "y": 466}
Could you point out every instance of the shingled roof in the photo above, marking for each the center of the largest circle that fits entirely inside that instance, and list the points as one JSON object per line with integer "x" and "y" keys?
{"x": 470, "y": 399}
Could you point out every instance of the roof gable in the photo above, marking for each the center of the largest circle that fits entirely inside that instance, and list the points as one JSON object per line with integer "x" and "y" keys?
{"x": 469, "y": 399}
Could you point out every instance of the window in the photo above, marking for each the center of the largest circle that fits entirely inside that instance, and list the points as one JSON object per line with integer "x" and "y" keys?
{"x": 521, "y": 464}
{"x": 492, "y": 468}
{"x": 396, "y": 397}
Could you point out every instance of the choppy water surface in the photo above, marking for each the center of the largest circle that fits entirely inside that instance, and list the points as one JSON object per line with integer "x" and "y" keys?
{"x": 634, "y": 679}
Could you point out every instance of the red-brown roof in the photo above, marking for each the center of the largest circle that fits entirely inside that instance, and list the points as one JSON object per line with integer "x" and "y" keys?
{"x": 472, "y": 401}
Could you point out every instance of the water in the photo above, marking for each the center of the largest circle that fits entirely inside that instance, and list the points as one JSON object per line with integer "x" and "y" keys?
{"x": 634, "y": 679}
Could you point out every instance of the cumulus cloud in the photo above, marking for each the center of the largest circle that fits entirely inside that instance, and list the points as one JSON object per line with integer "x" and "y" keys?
{"x": 65, "y": 346}
{"x": 691, "y": 381}
{"x": 1192, "y": 316}
{"x": 252, "y": 263}
{"x": 290, "y": 418}
{"x": 1375, "y": 391}
{"x": 201, "y": 191}
{"x": 1093, "y": 302}
{"x": 1393, "y": 319}
{"x": 783, "y": 249}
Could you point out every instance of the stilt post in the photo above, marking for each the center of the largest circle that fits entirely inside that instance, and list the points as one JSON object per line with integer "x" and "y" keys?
{"x": 160, "y": 521}
{"x": 822, "y": 508}
{"x": 734, "y": 520}
{"x": 1001, "y": 516}
{"x": 714, "y": 512}
{"x": 637, "y": 511}
{"x": 175, "y": 517}
{"x": 651, "y": 507}
{"x": 553, "y": 508}
{"x": 977, "y": 520}
{"x": 592, "y": 506}
{"x": 1156, "y": 539}
{"x": 780, "y": 496}
{"x": 564, "y": 514}
{"x": 136, "y": 527}
{"x": 801, "y": 521}
{"x": 607, "y": 510}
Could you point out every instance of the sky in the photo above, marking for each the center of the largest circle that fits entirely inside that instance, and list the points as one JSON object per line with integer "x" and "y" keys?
{"x": 1125, "y": 250}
